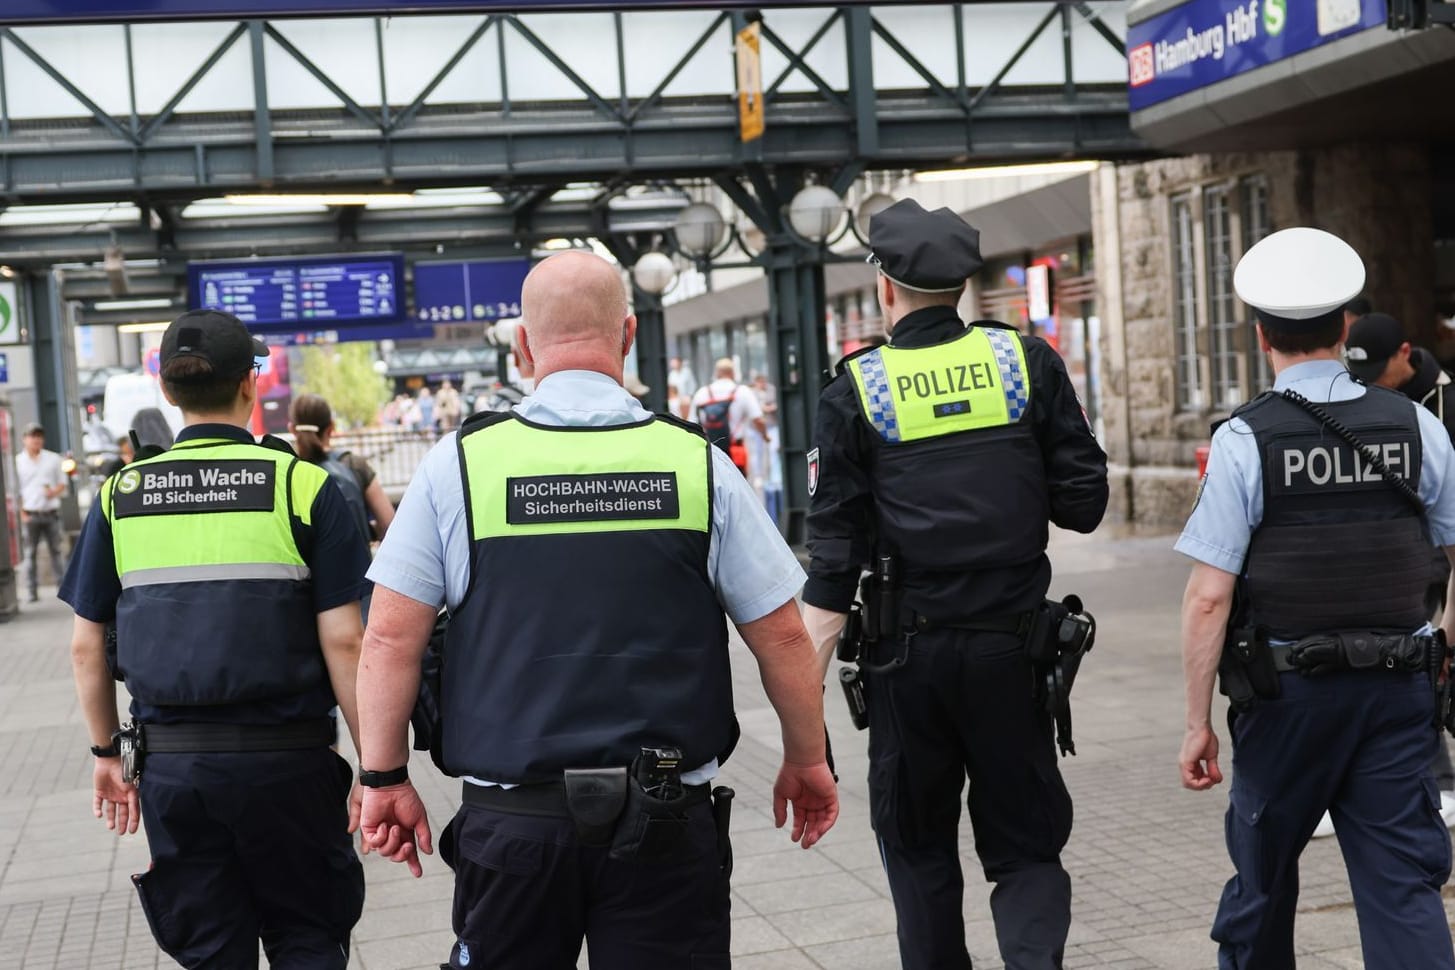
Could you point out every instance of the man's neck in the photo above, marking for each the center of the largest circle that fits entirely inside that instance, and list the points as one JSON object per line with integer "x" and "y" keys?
{"x": 1282, "y": 362}
{"x": 237, "y": 421}
{"x": 34, "y": 454}
{"x": 609, "y": 365}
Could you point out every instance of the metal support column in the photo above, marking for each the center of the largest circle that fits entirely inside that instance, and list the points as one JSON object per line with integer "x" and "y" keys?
{"x": 796, "y": 319}
{"x": 54, "y": 342}
{"x": 262, "y": 117}
{"x": 9, "y": 603}
{"x": 651, "y": 347}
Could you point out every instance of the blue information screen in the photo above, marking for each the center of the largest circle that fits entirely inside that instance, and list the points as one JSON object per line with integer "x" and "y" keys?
{"x": 57, "y": 11}
{"x": 301, "y": 294}
{"x": 1205, "y": 41}
{"x": 479, "y": 291}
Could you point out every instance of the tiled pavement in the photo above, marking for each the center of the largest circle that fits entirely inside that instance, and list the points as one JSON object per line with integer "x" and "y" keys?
{"x": 1146, "y": 858}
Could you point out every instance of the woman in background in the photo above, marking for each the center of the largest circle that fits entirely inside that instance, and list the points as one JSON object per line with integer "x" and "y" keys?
{"x": 311, "y": 421}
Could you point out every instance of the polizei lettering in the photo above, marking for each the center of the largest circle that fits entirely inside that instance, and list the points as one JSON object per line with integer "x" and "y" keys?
{"x": 953, "y": 379}
{"x": 603, "y": 497}
{"x": 1327, "y": 466}
{"x": 205, "y": 485}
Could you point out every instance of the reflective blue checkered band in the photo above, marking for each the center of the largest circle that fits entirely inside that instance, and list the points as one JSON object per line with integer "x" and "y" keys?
{"x": 882, "y": 413}
{"x": 1017, "y": 392}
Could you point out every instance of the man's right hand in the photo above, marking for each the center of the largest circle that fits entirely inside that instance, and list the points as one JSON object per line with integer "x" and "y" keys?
{"x": 393, "y": 823}
{"x": 815, "y": 800}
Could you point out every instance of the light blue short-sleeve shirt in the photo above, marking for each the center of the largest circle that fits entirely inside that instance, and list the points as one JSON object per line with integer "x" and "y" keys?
{"x": 1230, "y": 502}
{"x": 426, "y": 553}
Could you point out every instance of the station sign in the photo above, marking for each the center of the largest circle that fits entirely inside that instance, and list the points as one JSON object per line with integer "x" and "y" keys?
{"x": 404, "y": 330}
{"x": 301, "y": 294}
{"x": 130, "y": 11}
{"x": 1202, "y": 42}
{"x": 474, "y": 291}
{"x": 9, "y": 313}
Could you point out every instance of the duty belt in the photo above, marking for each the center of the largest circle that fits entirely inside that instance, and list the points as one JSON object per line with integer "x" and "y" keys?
{"x": 547, "y": 799}
{"x": 221, "y": 738}
{"x": 1368, "y": 651}
{"x": 1017, "y": 623}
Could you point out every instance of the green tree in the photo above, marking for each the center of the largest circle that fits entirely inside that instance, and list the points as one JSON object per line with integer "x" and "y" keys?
{"x": 344, "y": 376}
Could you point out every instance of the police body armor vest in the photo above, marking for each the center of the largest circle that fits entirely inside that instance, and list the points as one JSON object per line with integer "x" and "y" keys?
{"x": 590, "y": 628}
{"x": 1338, "y": 548}
{"x": 958, "y": 478}
{"x": 216, "y": 602}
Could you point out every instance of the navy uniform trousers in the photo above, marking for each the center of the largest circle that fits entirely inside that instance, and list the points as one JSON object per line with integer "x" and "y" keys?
{"x": 962, "y": 706}
{"x": 1358, "y": 744}
{"x": 249, "y": 846}
{"x": 526, "y": 893}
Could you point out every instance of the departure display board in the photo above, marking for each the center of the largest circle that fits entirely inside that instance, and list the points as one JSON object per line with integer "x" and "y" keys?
{"x": 478, "y": 291}
{"x": 301, "y": 294}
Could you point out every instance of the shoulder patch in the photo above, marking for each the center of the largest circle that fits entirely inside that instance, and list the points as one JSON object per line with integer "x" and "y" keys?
{"x": 813, "y": 472}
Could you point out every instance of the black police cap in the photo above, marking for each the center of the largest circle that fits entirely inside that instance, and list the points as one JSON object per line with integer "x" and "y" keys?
{"x": 932, "y": 252}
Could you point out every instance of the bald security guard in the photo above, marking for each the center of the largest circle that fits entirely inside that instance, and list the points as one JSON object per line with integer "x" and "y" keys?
{"x": 233, "y": 573}
{"x": 947, "y": 452}
{"x": 1311, "y": 539}
{"x": 588, "y": 552}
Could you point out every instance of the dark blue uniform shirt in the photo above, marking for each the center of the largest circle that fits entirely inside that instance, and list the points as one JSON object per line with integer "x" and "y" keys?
{"x": 337, "y": 558}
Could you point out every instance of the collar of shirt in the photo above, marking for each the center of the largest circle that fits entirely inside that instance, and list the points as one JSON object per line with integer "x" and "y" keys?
{"x": 930, "y": 325}
{"x": 581, "y": 398}
{"x": 1320, "y": 380}
{"x": 231, "y": 432}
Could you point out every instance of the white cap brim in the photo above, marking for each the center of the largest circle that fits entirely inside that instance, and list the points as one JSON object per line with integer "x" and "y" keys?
{"x": 1299, "y": 274}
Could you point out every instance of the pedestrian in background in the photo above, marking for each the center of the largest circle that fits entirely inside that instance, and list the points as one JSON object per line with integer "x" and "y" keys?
{"x": 310, "y": 420}
{"x": 237, "y": 631}
{"x": 586, "y": 806}
{"x": 449, "y": 406}
{"x": 728, "y": 411}
{"x": 1325, "y": 650}
{"x": 42, "y": 482}
{"x": 945, "y": 488}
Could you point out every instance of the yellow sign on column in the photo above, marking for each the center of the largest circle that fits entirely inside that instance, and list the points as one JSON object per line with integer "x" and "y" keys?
{"x": 750, "y": 83}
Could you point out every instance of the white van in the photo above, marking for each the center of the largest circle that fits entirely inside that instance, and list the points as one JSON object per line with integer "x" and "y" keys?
{"x": 127, "y": 394}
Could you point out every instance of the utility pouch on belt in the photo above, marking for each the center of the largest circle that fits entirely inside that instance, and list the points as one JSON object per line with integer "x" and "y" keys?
{"x": 1246, "y": 669}
{"x": 595, "y": 797}
{"x": 654, "y": 827}
{"x": 131, "y": 741}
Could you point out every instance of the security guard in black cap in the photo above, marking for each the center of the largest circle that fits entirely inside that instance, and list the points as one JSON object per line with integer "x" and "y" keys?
{"x": 1311, "y": 539}
{"x": 233, "y": 574}
{"x": 939, "y": 460}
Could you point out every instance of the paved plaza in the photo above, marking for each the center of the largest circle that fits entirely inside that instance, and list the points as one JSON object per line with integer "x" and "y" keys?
{"x": 1146, "y": 857}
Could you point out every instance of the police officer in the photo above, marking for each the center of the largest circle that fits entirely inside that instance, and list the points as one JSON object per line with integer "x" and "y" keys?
{"x": 1327, "y": 552}
{"x": 948, "y": 451}
{"x": 233, "y": 574}
{"x": 587, "y": 551}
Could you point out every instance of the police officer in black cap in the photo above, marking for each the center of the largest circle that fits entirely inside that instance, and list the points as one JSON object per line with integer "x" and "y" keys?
{"x": 939, "y": 461}
{"x": 233, "y": 573}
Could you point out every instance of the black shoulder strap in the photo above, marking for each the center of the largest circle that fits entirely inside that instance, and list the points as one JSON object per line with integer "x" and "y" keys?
{"x": 1371, "y": 457}
{"x": 681, "y": 423}
{"x": 277, "y": 444}
{"x": 483, "y": 419}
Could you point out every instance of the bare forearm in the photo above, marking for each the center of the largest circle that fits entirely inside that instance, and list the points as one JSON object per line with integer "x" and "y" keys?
{"x": 792, "y": 679}
{"x": 95, "y": 687}
{"x": 388, "y": 681}
{"x": 1204, "y": 622}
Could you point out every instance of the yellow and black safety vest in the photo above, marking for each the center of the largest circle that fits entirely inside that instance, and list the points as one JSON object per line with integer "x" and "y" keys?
{"x": 957, "y": 475}
{"x": 591, "y": 627}
{"x": 216, "y": 601}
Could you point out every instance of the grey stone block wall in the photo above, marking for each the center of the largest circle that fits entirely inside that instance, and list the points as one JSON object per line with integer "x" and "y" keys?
{"x": 1376, "y": 196}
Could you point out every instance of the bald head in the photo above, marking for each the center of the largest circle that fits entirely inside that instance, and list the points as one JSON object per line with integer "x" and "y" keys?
{"x": 572, "y": 296}
{"x": 575, "y": 315}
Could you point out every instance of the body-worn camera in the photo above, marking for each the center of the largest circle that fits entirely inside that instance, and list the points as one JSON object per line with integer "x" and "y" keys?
{"x": 659, "y": 772}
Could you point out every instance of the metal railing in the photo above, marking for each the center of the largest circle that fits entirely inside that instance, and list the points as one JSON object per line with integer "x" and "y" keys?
{"x": 393, "y": 453}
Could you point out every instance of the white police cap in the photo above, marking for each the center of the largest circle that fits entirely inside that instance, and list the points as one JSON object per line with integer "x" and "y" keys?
{"x": 1296, "y": 279}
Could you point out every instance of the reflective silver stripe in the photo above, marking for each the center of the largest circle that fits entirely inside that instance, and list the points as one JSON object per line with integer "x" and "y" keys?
{"x": 204, "y": 574}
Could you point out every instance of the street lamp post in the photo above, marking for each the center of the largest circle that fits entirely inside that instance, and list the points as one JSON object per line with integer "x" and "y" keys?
{"x": 652, "y": 275}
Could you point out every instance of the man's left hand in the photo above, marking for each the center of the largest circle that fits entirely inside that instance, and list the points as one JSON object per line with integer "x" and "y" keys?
{"x": 815, "y": 799}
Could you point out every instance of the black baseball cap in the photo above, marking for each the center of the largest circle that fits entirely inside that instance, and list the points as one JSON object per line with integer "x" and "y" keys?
{"x": 219, "y": 338}
{"x": 932, "y": 252}
{"x": 1373, "y": 339}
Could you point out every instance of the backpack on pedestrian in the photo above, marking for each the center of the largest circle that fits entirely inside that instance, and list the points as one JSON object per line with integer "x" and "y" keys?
{"x": 348, "y": 483}
{"x": 715, "y": 417}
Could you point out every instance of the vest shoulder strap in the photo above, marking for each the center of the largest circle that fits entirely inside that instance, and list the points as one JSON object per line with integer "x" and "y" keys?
{"x": 481, "y": 420}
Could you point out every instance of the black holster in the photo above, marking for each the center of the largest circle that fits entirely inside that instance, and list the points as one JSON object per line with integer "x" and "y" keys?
{"x": 1058, "y": 636}
{"x": 1246, "y": 671}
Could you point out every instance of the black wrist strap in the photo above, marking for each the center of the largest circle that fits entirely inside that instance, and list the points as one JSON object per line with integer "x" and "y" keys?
{"x": 1395, "y": 481}
{"x": 108, "y": 751}
{"x": 383, "y": 779}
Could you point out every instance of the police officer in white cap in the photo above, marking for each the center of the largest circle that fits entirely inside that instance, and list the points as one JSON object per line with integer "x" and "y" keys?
{"x": 1311, "y": 539}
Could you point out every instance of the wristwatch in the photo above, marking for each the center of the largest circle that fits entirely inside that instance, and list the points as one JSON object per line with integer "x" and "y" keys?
{"x": 109, "y": 751}
{"x": 383, "y": 779}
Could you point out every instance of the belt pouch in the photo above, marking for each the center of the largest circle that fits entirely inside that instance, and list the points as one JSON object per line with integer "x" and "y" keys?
{"x": 595, "y": 798}
{"x": 1041, "y": 639}
{"x": 652, "y": 830}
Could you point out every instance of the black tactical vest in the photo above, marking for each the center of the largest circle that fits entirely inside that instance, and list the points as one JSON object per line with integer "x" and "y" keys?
{"x": 1338, "y": 548}
{"x": 591, "y": 627}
